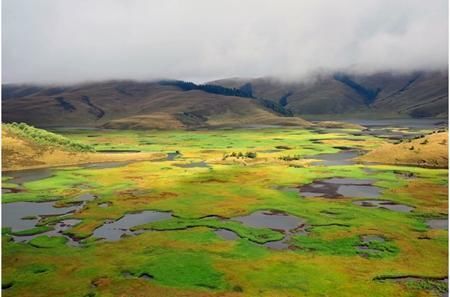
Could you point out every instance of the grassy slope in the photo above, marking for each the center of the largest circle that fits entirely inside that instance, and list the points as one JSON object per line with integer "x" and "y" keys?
{"x": 26, "y": 148}
{"x": 137, "y": 105}
{"x": 430, "y": 151}
{"x": 400, "y": 95}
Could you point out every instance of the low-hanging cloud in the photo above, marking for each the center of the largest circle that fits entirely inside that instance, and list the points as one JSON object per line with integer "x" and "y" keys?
{"x": 201, "y": 40}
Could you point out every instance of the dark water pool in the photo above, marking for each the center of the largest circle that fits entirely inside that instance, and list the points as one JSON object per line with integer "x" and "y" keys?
{"x": 386, "y": 204}
{"x": 172, "y": 156}
{"x": 114, "y": 230}
{"x": 341, "y": 187}
{"x": 85, "y": 197}
{"x": 340, "y": 158}
{"x": 226, "y": 234}
{"x": 289, "y": 225}
{"x": 58, "y": 230}
{"x": 438, "y": 224}
{"x": 24, "y": 176}
{"x": 17, "y": 215}
{"x": 271, "y": 220}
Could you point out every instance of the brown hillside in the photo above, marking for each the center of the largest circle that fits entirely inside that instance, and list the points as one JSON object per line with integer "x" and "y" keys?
{"x": 128, "y": 104}
{"x": 429, "y": 151}
{"x": 416, "y": 94}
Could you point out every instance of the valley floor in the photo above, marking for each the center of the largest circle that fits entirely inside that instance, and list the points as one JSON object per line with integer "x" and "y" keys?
{"x": 244, "y": 212}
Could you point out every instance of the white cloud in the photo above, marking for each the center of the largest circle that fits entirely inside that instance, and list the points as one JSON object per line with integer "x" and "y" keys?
{"x": 77, "y": 40}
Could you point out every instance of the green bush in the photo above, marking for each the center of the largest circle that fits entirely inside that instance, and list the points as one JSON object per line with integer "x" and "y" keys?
{"x": 290, "y": 158}
{"x": 249, "y": 155}
{"x": 44, "y": 137}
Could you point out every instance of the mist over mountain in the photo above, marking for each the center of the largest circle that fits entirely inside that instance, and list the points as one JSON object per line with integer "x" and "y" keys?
{"x": 385, "y": 94}
{"x": 74, "y": 41}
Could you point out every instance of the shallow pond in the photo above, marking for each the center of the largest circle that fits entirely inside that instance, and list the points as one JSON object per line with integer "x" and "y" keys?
{"x": 172, "y": 156}
{"x": 25, "y": 215}
{"x": 85, "y": 197}
{"x": 58, "y": 230}
{"x": 340, "y": 158}
{"x": 24, "y": 176}
{"x": 384, "y": 204}
{"x": 341, "y": 187}
{"x": 226, "y": 234}
{"x": 358, "y": 191}
{"x": 438, "y": 224}
{"x": 280, "y": 221}
{"x": 271, "y": 220}
{"x": 114, "y": 230}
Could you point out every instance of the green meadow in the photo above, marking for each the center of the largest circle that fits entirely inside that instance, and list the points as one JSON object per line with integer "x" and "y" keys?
{"x": 209, "y": 180}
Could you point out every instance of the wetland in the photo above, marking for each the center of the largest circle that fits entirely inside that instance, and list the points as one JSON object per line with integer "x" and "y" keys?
{"x": 267, "y": 211}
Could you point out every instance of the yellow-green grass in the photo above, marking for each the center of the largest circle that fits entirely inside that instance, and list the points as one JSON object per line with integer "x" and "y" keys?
{"x": 26, "y": 147}
{"x": 184, "y": 255}
{"x": 430, "y": 150}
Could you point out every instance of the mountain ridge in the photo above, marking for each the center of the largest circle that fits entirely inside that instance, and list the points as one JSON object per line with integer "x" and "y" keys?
{"x": 132, "y": 104}
{"x": 175, "y": 104}
{"x": 414, "y": 94}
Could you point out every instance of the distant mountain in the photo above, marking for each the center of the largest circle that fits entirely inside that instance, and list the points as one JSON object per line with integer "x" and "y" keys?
{"x": 416, "y": 94}
{"x": 172, "y": 104}
{"x": 141, "y": 105}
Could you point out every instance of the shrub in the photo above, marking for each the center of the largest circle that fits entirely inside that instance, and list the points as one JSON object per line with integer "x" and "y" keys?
{"x": 290, "y": 158}
{"x": 282, "y": 147}
{"x": 250, "y": 155}
{"x": 44, "y": 137}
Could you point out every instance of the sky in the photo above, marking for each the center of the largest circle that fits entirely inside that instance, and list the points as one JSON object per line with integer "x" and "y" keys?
{"x": 67, "y": 41}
